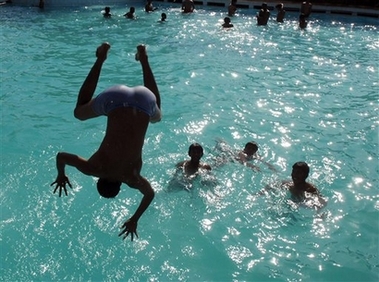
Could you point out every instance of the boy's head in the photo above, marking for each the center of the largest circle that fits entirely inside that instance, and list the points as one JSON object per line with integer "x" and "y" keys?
{"x": 300, "y": 172}
{"x": 250, "y": 148}
{"x": 107, "y": 188}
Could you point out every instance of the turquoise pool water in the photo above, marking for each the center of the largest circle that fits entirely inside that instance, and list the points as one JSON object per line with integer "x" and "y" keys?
{"x": 302, "y": 95}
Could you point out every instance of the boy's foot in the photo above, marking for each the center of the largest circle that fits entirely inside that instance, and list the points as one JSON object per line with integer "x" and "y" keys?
{"x": 141, "y": 52}
{"x": 102, "y": 50}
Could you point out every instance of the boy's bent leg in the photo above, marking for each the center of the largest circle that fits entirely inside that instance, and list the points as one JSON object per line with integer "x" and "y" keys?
{"x": 82, "y": 110}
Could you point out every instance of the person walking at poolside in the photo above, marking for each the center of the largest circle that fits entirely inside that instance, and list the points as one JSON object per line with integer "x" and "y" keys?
{"x": 188, "y": 6}
{"x": 192, "y": 166}
{"x": 130, "y": 14}
{"x": 119, "y": 157}
{"x": 263, "y": 15}
{"x": 281, "y": 13}
{"x": 306, "y": 8}
{"x": 232, "y": 8}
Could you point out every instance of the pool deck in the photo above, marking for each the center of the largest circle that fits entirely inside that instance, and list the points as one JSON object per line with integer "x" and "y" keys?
{"x": 289, "y": 6}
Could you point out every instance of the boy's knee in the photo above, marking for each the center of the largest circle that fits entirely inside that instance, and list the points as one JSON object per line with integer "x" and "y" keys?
{"x": 77, "y": 114}
{"x": 83, "y": 112}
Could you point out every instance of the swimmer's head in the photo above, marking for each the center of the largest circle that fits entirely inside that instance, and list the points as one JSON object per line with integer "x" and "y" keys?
{"x": 264, "y": 5}
{"x": 163, "y": 16}
{"x": 227, "y": 20}
{"x": 132, "y": 9}
{"x": 195, "y": 150}
{"x": 279, "y": 6}
{"x": 107, "y": 9}
{"x": 107, "y": 188}
{"x": 251, "y": 148}
{"x": 300, "y": 171}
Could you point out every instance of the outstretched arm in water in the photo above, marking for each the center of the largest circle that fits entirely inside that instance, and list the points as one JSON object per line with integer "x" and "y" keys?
{"x": 130, "y": 226}
{"x": 64, "y": 159}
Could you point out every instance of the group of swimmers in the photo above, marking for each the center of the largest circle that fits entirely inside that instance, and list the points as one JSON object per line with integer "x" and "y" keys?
{"x": 264, "y": 13}
{"x": 299, "y": 188}
{"x": 188, "y": 6}
{"x": 262, "y": 17}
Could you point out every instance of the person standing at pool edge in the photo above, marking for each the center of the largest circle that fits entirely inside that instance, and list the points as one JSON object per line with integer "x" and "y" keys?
{"x": 306, "y": 8}
{"x": 119, "y": 157}
{"x": 232, "y": 8}
{"x": 281, "y": 13}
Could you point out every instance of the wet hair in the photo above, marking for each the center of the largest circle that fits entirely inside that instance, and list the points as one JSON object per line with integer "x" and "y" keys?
{"x": 303, "y": 166}
{"x": 279, "y": 6}
{"x": 132, "y": 9}
{"x": 163, "y": 15}
{"x": 227, "y": 20}
{"x": 253, "y": 144}
{"x": 108, "y": 189}
{"x": 193, "y": 146}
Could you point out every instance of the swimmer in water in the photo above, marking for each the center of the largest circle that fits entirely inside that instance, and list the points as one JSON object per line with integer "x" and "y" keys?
{"x": 188, "y": 6}
{"x": 107, "y": 12}
{"x": 192, "y": 166}
{"x": 129, "y": 110}
{"x": 301, "y": 190}
{"x": 149, "y": 6}
{"x": 302, "y": 21}
{"x": 163, "y": 17}
{"x": 244, "y": 157}
{"x": 263, "y": 15}
{"x": 227, "y": 23}
{"x": 130, "y": 14}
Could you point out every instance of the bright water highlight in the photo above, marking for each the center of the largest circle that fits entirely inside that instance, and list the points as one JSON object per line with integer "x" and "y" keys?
{"x": 302, "y": 95}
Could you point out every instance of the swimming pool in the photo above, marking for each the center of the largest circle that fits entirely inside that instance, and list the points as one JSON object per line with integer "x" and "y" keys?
{"x": 302, "y": 95}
